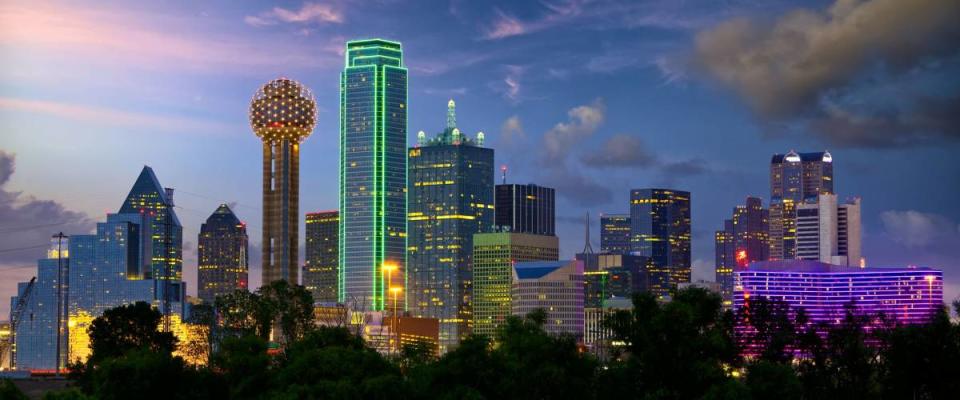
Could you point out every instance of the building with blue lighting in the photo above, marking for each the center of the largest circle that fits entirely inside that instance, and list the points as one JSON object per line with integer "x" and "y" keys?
{"x": 660, "y": 231}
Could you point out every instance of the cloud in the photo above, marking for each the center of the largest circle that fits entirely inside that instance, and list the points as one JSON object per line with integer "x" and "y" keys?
{"x": 796, "y": 68}
{"x": 505, "y": 26}
{"x": 579, "y": 188}
{"x": 28, "y": 222}
{"x": 118, "y": 37}
{"x": 915, "y": 229}
{"x": 620, "y": 151}
{"x": 114, "y": 117}
{"x": 690, "y": 167}
{"x": 583, "y": 121}
{"x": 308, "y": 13}
{"x": 510, "y": 86}
{"x": 511, "y": 132}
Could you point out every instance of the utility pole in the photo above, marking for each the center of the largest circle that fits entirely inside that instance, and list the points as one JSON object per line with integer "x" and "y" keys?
{"x": 60, "y": 297}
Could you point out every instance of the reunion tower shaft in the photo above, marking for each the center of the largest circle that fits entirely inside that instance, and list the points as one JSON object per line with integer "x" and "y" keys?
{"x": 282, "y": 113}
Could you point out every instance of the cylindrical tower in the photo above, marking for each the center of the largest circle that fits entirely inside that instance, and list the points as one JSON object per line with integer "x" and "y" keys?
{"x": 282, "y": 113}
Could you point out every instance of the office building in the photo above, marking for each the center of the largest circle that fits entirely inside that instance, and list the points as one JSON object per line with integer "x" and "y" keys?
{"x": 525, "y": 209}
{"x": 743, "y": 240}
{"x": 133, "y": 256}
{"x": 556, "y": 287}
{"x": 795, "y": 178}
{"x": 615, "y": 233}
{"x": 282, "y": 114}
{"x": 828, "y": 231}
{"x": 610, "y": 276}
{"x": 597, "y": 335}
{"x": 321, "y": 267}
{"x": 908, "y": 295}
{"x": 222, "y": 258}
{"x": 450, "y": 199}
{"x": 373, "y": 174}
{"x": 494, "y": 255}
{"x": 660, "y": 230}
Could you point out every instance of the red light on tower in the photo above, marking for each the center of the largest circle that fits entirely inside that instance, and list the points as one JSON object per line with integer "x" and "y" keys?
{"x": 741, "y": 258}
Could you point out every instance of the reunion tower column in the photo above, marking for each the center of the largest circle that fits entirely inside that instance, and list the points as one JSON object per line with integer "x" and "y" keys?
{"x": 282, "y": 113}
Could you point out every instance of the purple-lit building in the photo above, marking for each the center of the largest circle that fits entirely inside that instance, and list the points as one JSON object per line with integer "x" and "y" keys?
{"x": 906, "y": 295}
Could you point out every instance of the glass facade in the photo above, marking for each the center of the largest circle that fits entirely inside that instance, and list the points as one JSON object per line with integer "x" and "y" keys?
{"x": 132, "y": 257}
{"x": 660, "y": 230}
{"x": 526, "y": 209}
{"x": 320, "y": 268}
{"x": 795, "y": 178}
{"x": 612, "y": 276}
{"x": 373, "y": 174}
{"x": 494, "y": 255}
{"x": 222, "y": 258}
{"x": 743, "y": 240}
{"x": 615, "y": 233}
{"x": 451, "y": 198}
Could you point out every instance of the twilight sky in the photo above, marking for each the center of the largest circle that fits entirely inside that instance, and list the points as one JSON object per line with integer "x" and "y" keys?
{"x": 590, "y": 97}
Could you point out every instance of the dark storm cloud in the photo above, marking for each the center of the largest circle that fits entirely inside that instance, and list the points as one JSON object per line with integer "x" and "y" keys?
{"x": 27, "y": 222}
{"x": 790, "y": 70}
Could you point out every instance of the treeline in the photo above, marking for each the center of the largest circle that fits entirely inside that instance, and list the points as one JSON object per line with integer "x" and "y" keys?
{"x": 685, "y": 349}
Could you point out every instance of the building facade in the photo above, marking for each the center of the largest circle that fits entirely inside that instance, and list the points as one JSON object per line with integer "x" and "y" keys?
{"x": 282, "y": 114}
{"x": 494, "y": 255}
{"x": 660, "y": 231}
{"x": 828, "y": 231}
{"x": 743, "y": 240}
{"x": 526, "y": 209}
{"x": 795, "y": 178}
{"x": 906, "y": 295}
{"x": 222, "y": 258}
{"x": 450, "y": 199}
{"x": 556, "y": 287}
{"x": 610, "y": 276}
{"x": 615, "y": 233}
{"x": 132, "y": 257}
{"x": 373, "y": 174}
{"x": 320, "y": 269}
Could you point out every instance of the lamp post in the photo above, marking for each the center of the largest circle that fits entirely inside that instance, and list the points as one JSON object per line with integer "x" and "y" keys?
{"x": 395, "y": 291}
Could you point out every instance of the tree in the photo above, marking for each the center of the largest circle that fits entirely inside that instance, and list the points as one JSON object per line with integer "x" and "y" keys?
{"x": 770, "y": 332}
{"x": 146, "y": 375}
{"x": 10, "y": 391}
{"x": 676, "y": 350}
{"x": 127, "y": 328}
{"x": 922, "y": 361}
{"x": 244, "y": 364}
{"x": 277, "y": 305}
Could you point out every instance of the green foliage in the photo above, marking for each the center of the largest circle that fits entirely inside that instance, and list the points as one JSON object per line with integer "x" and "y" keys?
{"x": 126, "y": 328}
{"x": 144, "y": 374}
{"x": 69, "y": 394}
{"x": 244, "y": 364}
{"x": 922, "y": 361}
{"x": 10, "y": 391}
{"x": 279, "y": 304}
{"x": 675, "y": 350}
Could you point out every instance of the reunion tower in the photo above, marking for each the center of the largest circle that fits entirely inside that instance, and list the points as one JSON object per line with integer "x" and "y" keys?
{"x": 282, "y": 113}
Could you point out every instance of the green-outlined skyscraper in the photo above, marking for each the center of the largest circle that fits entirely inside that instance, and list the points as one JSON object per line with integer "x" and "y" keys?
{"x": 373, "y": 176}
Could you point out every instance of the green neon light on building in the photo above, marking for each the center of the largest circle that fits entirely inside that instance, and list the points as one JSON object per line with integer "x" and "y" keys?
{"x": 373, "y": 125}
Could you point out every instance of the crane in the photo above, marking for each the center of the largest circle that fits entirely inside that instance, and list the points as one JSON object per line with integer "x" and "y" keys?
{"x": 10, "y": 346}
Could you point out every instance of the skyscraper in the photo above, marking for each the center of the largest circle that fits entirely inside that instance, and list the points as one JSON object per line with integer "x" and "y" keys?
{"x": 660, "y": 230}
{"x": 794, "y": 179}
{"x": 320, "y": 269}
{"x": 828, "y": 231}
{"x": 494, "y": 255}
{"x": 282, "y": 114}
{"x": 133, "y": 256}
{"x": 450, "y": 199}
{"x": 525, "y": 209}
{"x": 222, "y": 258}
{"x": 744, "y": 239}
{"x": 373, "y": 174}
{"x": 615, "y": 233}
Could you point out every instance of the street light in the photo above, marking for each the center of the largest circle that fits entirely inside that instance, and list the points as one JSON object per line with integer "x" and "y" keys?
{"x": 395, "y": 291}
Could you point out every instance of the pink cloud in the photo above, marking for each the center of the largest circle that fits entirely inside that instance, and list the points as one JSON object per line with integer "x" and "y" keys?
{"x": 505, "y": 26}
{"x": 309, "y": 12}
{"x": 120, "y": 37}
{"x": 113, "y": 117}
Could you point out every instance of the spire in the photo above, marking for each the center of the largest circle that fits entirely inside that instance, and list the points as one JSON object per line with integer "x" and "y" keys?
{"x": 451, "y": 114}
{"x": 587, "y": 248}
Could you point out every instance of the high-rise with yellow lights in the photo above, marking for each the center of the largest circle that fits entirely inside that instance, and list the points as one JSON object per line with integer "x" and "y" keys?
{"x": 282, "y": 114}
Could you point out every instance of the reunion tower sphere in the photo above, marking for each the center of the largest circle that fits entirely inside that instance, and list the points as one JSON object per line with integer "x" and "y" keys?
{"x": 283, "y": 109}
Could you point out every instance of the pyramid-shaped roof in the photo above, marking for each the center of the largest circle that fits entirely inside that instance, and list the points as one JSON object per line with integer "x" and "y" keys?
{"x": 147, "y": 192}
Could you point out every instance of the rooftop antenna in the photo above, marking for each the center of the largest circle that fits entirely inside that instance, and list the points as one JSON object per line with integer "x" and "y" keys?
{"x": 451, "y": 114}
{"x": 587, "y": 248}
{"x": 503, "y": 171}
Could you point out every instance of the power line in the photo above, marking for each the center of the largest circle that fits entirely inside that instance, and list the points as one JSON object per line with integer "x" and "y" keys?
{"x": 23, "y": 248}
{"x": 31, "y": 227}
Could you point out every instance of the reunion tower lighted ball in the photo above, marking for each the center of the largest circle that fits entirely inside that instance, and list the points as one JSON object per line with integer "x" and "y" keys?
{"x": 283, "y": 109}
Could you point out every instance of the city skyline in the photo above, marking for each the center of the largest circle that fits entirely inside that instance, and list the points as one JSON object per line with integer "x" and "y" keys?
{"x": 909, "y": 215}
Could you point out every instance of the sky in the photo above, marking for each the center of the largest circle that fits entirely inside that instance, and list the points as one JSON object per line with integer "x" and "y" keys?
{"x": 590, "y": 97}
